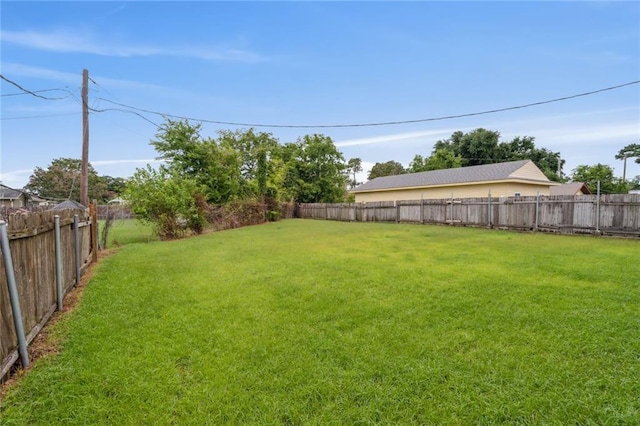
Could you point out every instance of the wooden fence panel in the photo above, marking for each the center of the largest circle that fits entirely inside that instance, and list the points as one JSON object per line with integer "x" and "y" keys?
{"x": 32, "y": 245}
{"x": 409, "y": 211}
{"x": 381, "y": 211}
{"x": 435, "y": 211}
{"x": 614, "y": 214}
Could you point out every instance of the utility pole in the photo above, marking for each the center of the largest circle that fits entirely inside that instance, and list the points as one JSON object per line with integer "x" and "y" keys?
{"x": 624, "y": 169}
{"x": 84, "y": 171}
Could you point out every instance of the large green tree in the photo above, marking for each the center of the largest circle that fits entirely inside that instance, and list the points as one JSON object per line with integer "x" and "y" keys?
{"x": 314, "y": 170}
{"x": 61, "y": 181}
{"x": 477, "y": 147}
{"x": 255, "y": 150}
{"x": 629, "y": 151}
{"x": 389, "y": 168}
{"x": 524, "y": 148}
{"x": 214, "y": 166}
{"x": 482, "y": 146}
{"x": 440, "y": 159}
{"x": 603, "y": 173}
{"x": 354, "y": 166}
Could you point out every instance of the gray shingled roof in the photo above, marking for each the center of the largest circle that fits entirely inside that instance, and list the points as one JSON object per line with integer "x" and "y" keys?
{"x": 68, "y": 204}
{"x": 485, "y": 172}
{"x": 7, "y": 193}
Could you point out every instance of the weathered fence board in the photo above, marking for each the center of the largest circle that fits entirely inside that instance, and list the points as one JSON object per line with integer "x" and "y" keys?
{"x": 613, "y": 214}
{"x": 32, "y": 246}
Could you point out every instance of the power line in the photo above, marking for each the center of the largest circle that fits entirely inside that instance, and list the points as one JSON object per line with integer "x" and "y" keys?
{"x": 39, "y": 116}
{"x": 124, "y": 110}
{"x": 36, "y": 91}
{"x": 384, "y": 123}
{"x": 29, "y": 92}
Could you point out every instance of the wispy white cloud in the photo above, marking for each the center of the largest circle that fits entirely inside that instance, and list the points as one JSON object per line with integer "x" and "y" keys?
{"x": 15, "y": 178}
{"x": 407, "y": 136}
{"x": 112, "y": 162}
{"x": 71, "y": 78}
{"x": 74, "y": 42}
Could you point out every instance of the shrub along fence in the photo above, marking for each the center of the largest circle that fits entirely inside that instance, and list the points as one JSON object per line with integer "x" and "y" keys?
{"x": 48, "y": 252}
{"x": 610, "y": 214}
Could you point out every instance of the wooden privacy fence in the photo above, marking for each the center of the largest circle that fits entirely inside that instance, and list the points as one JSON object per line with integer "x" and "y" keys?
{"x": 31, "y": 240}
{"x": 610, "y": 214}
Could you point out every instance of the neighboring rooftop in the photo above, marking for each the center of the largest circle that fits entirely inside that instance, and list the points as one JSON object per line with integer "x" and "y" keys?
{"x": 570, "y": 189}
{"x": 523, "y": 170}
{"x": 68, "y": 204}
{"x": 7, "y": 193}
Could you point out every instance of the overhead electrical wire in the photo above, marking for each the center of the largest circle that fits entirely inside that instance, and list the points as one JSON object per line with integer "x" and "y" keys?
{"x": 136, "y": 110}
{"x": 384, "y": 123}
{"x": 40, "y": 116}
{"x": 34, "y": 93}
{"x": 124, "y": 110}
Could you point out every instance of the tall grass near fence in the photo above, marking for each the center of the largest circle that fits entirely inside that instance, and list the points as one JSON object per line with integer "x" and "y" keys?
{"x": 318, "y": 322}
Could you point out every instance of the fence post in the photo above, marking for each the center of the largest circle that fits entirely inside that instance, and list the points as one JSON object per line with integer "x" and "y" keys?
{"x": 397, "y": 211}
{"x": 535, "y": 228}
{"x": 13, "y": 294}
{"x": 422, "y": 208}
{"x": 59, "y": 294}
{"x": 451, "y": 212}
{"x": 93, "y": 211}
{"x": 76, "y": 246}
{"x": 598, "y": 210}
{"x": 489, "y": 218}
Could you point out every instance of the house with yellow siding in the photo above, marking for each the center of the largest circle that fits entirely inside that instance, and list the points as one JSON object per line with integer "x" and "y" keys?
{"x": 513, "y": 178}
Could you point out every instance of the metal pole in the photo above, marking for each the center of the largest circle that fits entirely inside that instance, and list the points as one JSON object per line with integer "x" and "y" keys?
{"x": 76, "y": 246}
{"x": 13, "y": 294}
{"x": 598, "y": 209}
{"x": 59, "y": 295}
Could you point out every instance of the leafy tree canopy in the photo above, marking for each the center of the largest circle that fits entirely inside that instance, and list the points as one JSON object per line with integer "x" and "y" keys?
{"x": 354, "y": 166}
{"x": 212, "y": 165}
{"x": 315, "y": 170}
{"x": 599, "y": 172}
{"x": 440, "y": 159}
{"x": 482, "y": 146}
{"x": 390, "y": 168}
{"x": 245, "y": 163}
{"x": 164, "y": 198}
{"x": 629, "y": 151}
{"x": 61, "y": 181}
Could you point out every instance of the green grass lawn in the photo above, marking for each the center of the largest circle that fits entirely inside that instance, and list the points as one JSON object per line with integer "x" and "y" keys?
{"x": 128, "y": 231}
{"x": 314, "y": 322}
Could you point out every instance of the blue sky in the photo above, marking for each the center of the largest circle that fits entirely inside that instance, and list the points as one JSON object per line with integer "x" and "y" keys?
{"x": 310, "y": 63}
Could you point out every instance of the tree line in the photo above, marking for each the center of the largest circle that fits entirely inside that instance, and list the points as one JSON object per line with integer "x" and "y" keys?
{"x": 482, "y": 146}
{"x": 198, "y": 172}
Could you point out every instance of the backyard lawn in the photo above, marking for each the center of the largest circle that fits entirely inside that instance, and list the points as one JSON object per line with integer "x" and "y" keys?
{"x": 317, "y": 322}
